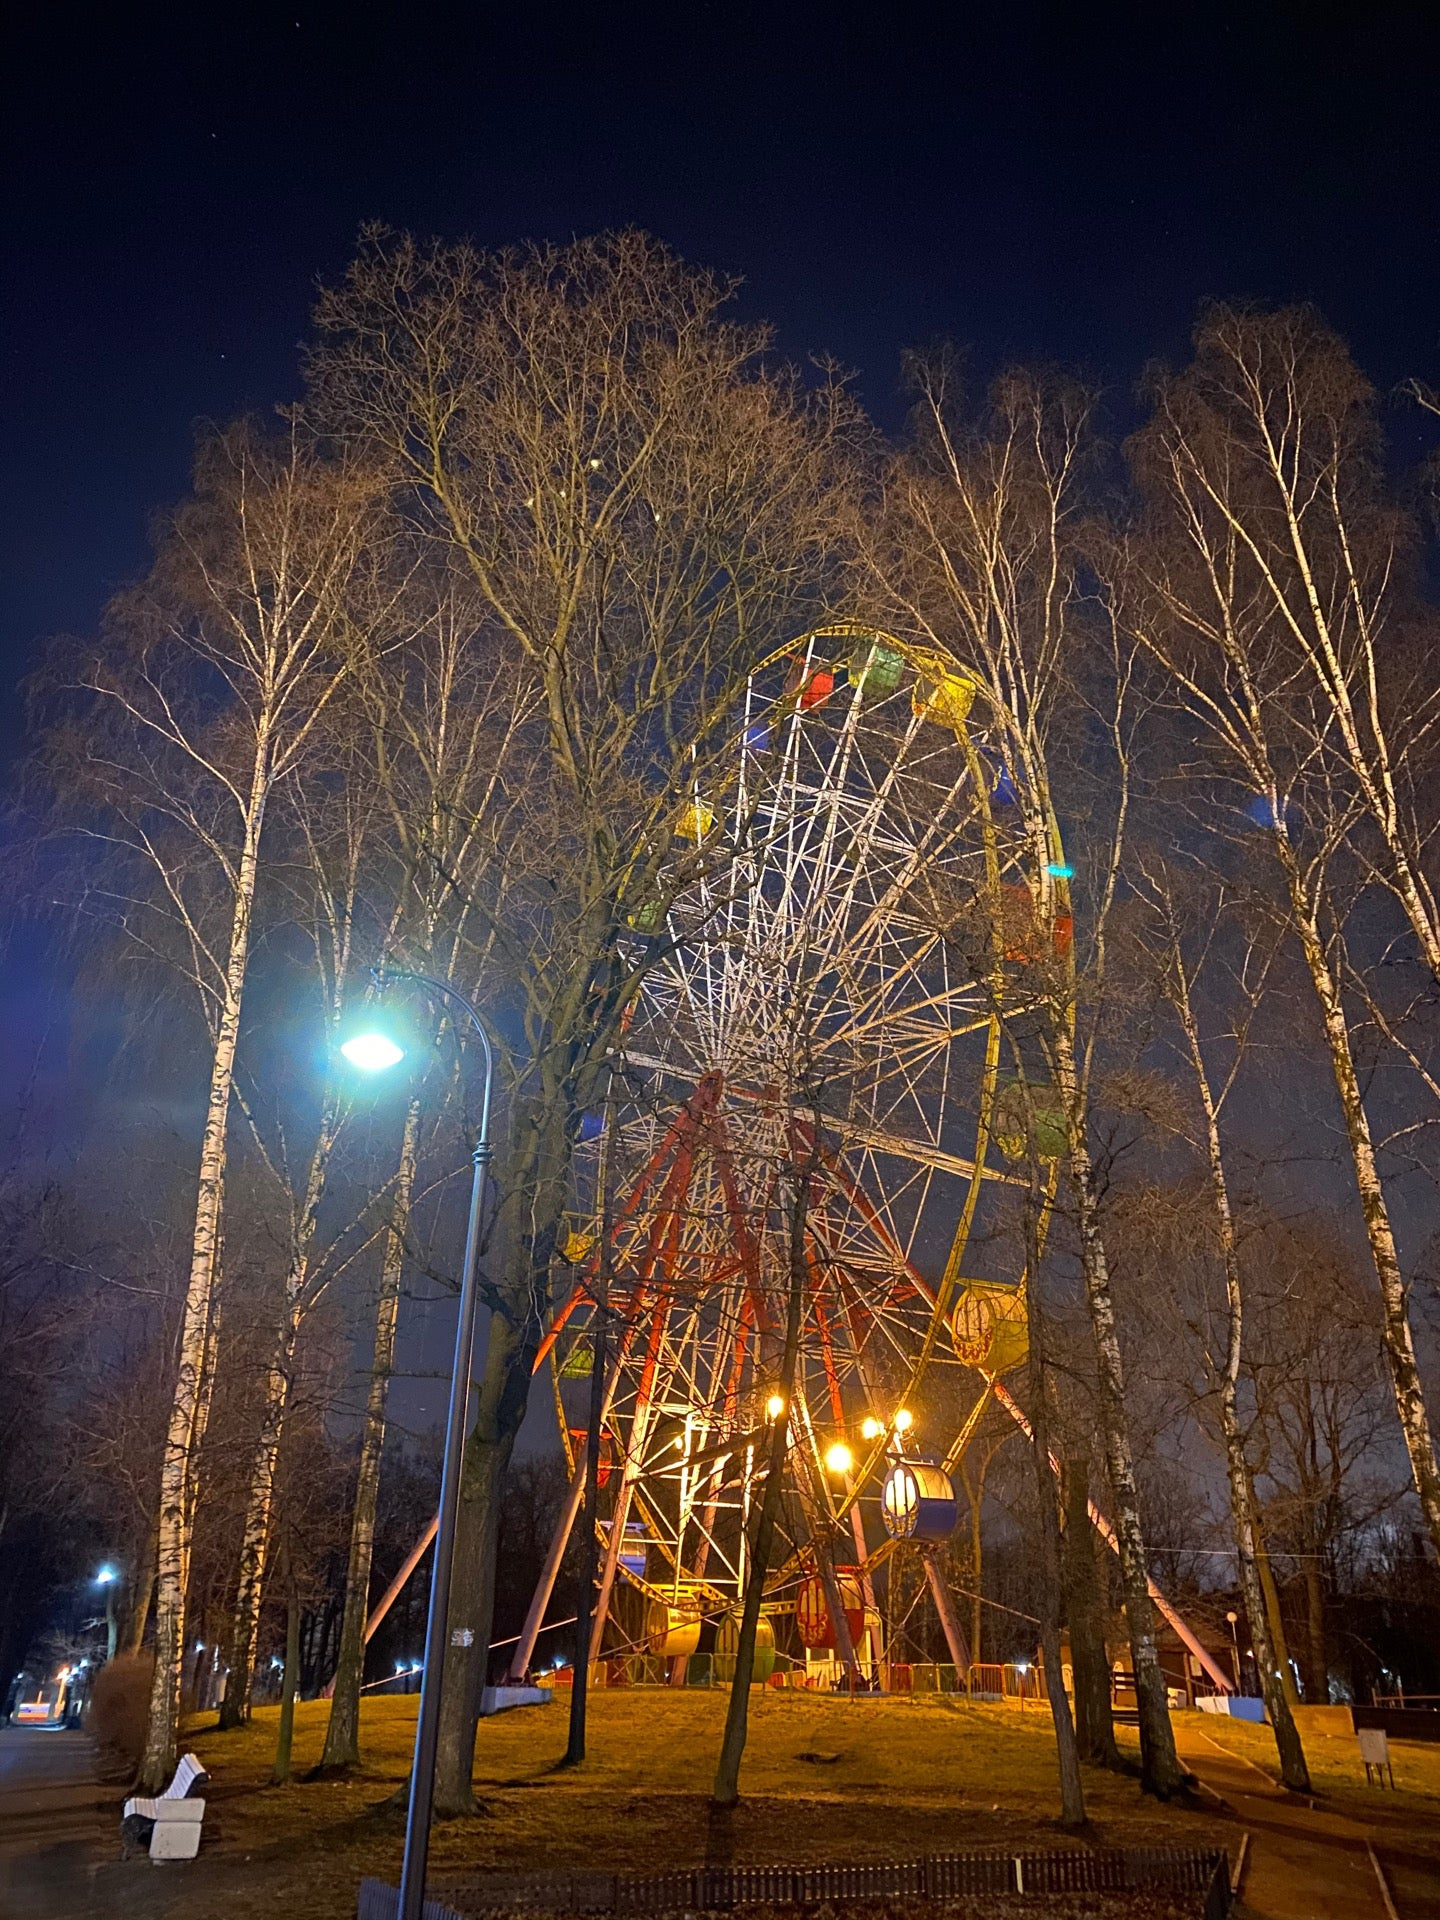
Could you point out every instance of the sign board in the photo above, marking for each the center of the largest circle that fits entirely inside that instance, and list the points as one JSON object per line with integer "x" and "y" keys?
{"x": 1374, "y": 1746}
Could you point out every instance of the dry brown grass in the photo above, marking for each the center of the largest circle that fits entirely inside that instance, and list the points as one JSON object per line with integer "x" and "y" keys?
{"x": 899, "y": 1777}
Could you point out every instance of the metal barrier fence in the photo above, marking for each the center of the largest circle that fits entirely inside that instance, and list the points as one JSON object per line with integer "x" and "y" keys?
{"x": 1015, "y": 1682}
{"x": 941, "y": 1876}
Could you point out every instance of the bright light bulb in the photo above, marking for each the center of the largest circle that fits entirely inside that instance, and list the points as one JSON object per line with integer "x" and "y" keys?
{"x": 871, "y": 1428}
{"x": 372, "y": 1052}
{"x": 839, "y": 1459}
{"x": 904, "y": 1420}
{"x": 775, "y": 1405}
{"x": 105, "y": 1576}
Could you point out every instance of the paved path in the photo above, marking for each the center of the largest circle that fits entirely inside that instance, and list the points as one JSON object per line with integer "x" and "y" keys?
{"x": 1302, "y": 1864}
{"x": 57, "y": 1823}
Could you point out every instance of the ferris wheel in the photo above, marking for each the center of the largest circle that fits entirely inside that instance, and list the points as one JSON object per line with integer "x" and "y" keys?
{"x": 816, "y": 1040}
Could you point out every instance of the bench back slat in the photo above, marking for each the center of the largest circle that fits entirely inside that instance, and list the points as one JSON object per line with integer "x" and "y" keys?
{"x": 187, "y": 1774}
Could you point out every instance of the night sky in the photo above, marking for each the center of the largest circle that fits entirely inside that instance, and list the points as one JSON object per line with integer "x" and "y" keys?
{"x": 1066, "y": 183}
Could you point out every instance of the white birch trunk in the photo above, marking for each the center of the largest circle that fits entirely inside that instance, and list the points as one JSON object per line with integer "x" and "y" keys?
{"x": 342, "y": 1732}
{"x": 188, "y": 1405}
{"x": 1398, "y": 1339}
{"x": 1162, "y": 1771}
{"x": 260, "y": 1505}
{"x": 1293, "y": 1769}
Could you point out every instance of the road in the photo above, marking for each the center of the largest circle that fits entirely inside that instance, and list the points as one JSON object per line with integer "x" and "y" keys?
{"x": 57, "y": 1824}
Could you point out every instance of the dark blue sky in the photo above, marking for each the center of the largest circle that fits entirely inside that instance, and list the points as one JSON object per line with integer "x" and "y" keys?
{"x": 1066, "y": 183}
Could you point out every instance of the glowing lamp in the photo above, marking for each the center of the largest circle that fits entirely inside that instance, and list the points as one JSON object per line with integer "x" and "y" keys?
{"x": 904, "y": 1420}
{"x": 105, "y": 1576}
{"x": 871, "y": 1428}
{"x": 839, "y": 1459}
{"x": 775, "y": 1406}
{"x": 372, "y": 1052}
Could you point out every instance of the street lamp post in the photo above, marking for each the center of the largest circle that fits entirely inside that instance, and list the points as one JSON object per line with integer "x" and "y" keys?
{"x": 372, "y": 1052}
{"x": 1233, "y": 1619}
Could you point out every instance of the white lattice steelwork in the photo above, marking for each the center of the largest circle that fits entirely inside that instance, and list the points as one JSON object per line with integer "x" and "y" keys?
{"x": 814, "y": 1004}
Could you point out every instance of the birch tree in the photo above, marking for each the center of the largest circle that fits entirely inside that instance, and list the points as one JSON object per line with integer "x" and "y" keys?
{"x": 982, "y": 559}
{"x": 1180, "y": 972}
{"x": 441, "y": 719}
{"x": 1274, "y": 659}
{"x": 174, "y": 737}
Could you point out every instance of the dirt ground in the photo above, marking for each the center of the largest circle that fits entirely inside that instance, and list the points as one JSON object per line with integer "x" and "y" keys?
{"x": 824, "y": 1778}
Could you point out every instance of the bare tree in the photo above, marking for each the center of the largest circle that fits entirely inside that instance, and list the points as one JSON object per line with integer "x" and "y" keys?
{"x": 1315, "y": 1374}
{"x": 1180, "y": 972}
{"x": 982, "y": 558}
{"x": 201, "y": 703}
{"x": 1269, "y": 641}
{"x": 642, "y": 507}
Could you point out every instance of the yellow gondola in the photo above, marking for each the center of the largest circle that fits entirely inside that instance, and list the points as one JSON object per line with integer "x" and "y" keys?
{"x": 989, "y": 1327}
{"x": 948, "y": 699}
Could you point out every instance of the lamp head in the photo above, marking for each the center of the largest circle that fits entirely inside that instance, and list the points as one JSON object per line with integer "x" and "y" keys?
{"x": 372, "y": 1051}
{"x": 106, "y": 1576}
{"x": 839, "y": 1459}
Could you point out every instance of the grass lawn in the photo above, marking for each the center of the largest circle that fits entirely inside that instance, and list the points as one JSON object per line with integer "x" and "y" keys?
{"x": 892, "y": 1778}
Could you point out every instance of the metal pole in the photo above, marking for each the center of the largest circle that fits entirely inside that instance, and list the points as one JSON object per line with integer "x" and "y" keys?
{"x": 427, "y": 1731}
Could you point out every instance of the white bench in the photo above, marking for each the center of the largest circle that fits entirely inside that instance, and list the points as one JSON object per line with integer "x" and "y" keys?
{"x": 177, "y": 1813}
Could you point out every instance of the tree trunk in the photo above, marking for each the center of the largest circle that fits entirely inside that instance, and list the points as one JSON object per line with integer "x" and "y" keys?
{"x": 504, "y": 1387}
{"x": 342, "y": 1732}
{"x": 172, "y": 1560}
{"x": 255, "y": 1538}
{"x": 590, "y": 1505}
{"x": 291, "y": 1680}
{"x": 141, "y": 1593}
{"x": 1398, "y": 1339}
{"x": 260, "y": 1507}
{"x": 1293, "y": 1768}
{"x": 726, "y": 1791}
{"x": 1161, "y": 1772}
{"x": 1270, "y": 1595}
{"x": 1089, "y": 1658}
{"x": 1317, "y": 1683}
{"x": 977, "y": 1568}
{"x": 536, "y": 1197}
{"x": 1072, "y": 1792}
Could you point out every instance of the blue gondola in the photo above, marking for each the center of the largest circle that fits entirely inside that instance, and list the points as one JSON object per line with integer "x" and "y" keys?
{"x": 918, "y": 1502}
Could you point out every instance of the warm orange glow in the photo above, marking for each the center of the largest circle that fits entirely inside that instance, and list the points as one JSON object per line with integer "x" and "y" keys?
{"x": 775, "y": 1405}
{"x": 871, "y": 1428}
{"x": 904, "y": 1420}
{"x": 839, "y": 1459}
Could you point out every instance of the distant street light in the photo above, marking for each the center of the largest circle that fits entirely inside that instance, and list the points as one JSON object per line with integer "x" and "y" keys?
{"x": 1235, "y": 1643}
{"x": 373, "y": 1050}
{"x": 109, "y": 1578}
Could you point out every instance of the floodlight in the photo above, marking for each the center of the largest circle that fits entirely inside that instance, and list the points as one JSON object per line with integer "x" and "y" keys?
{"x": 839, "y": 1459}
